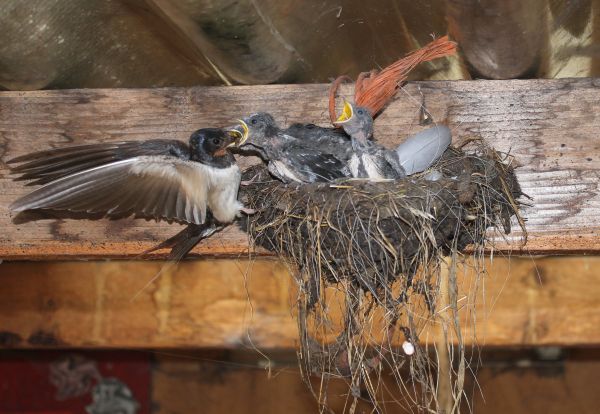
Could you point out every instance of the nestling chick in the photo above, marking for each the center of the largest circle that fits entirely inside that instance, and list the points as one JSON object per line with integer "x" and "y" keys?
{"x": 289, "y": 158}
{"x": 369, "y": 160}
{"x": 416, "y": 154}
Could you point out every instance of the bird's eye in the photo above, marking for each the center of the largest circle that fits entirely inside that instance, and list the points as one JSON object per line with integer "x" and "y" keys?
{"x": 216, "y": 141}
{"x": 254, "y": 121}
{"x": 360, "y": 112}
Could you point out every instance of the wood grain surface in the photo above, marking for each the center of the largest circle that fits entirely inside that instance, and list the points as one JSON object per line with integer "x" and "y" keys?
{"x": 513, "y": 382}
{"x": 242, "y": 304}
{"x": 550, "y": 126}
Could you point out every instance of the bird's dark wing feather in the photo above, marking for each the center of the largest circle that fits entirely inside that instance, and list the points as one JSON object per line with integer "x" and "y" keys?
{"x": 327, "y": 140}
{"x": 314, "y": 132}
{"x": 188, "y": 238}
{"x": 150, "y": 186}
{"x": 50, "y": 165}
{"x": 316, "y": 166}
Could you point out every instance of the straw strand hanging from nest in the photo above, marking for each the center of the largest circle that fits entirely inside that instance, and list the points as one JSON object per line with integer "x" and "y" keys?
{"x": 380, "y": 246}
{"x": 371, "y": 239}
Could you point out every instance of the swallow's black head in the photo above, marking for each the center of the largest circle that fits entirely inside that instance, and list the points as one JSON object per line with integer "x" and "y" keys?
{"x": 209, "y": 146}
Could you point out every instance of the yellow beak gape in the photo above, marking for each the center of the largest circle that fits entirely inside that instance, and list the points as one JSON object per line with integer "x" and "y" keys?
{"x": 246, "y": 132}
{"x": 236, "y": 135}
{"x": 346, "y": 113}
{"x": 240, "y": 137}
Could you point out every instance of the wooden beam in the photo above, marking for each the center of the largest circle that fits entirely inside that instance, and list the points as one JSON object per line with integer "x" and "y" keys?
{"x": 241, "y": 304}
{"x": 550, "y": 126}
{"x": 506, "y": 382}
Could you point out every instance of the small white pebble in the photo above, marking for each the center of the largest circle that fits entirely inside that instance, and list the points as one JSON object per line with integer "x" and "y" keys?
{"x": 408, "y": 348}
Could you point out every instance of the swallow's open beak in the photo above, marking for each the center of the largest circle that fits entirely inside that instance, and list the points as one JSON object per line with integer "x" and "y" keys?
{"x": 233, "y": 136}
{"x": 347, "y": 113}
{"x": 240, "y": 132}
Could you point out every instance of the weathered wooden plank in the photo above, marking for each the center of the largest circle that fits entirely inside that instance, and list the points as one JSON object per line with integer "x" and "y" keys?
{"x": 180, "y": 385}
{"x": 549, "y": 125}
{"x": 538, "y": 387}
{"x": 521, "y": 302}
{"x": 107, "y": 304}
{"x": 506, "y": 382}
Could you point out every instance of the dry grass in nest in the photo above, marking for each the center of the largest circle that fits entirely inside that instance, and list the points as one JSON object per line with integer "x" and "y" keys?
{"x": 381, "y": 245}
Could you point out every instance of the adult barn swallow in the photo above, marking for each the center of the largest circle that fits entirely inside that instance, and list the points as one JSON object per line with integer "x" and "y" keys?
{"x": 289, "y": 158}
{"x": 162, "y": 179}
{"x": 374, "y": 161}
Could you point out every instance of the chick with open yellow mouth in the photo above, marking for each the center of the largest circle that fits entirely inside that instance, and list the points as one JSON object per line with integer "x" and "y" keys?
{"x": 373, "y": 161}
{"x": 308, "y": 153}
{"x": 369, "y": 160}
{"x": 357, "y": 122}
{"x": 288, "y": 157}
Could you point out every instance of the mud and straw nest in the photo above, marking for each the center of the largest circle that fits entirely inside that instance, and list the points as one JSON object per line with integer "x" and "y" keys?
{"x": 380, "y": 246}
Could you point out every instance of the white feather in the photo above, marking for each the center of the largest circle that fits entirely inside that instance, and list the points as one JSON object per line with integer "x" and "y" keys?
{"x": 279, "y": 169}
{"x": 371, "y": 167}
{"x": 353, "y": 165}
{"x": 418, "y": 152}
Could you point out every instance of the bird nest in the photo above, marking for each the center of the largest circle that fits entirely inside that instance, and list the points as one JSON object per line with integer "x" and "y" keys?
{"x": 380, "y": 246}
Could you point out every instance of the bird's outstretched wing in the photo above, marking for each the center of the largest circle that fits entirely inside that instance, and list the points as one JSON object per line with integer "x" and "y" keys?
{"x": 150, "y": 186}
{"x": 50, "y": 165}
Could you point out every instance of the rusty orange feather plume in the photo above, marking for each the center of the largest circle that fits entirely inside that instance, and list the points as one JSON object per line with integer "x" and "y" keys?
{"x": 374, "y": 89}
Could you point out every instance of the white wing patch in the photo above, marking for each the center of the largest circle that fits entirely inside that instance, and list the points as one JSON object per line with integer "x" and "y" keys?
{"x": 371, "y": 168}
{"x": 281, "y": 170}
{"x": 204, "y": 186}
{"x": 354, "y": 164}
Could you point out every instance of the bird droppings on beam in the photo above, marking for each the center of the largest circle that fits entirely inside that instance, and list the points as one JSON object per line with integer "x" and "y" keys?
{"x": 41, "y": 338}
{"x": 10, "y": 339}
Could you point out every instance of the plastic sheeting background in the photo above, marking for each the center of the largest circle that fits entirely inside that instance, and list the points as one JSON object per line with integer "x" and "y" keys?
{"x": 56, "y": 44}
